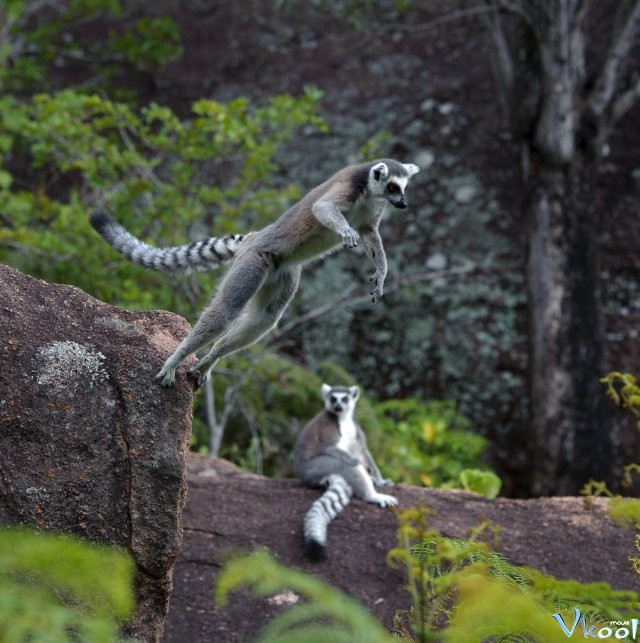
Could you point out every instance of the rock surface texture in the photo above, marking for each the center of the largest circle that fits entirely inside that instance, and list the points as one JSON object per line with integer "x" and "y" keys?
{"x": 89, "y": 443}
{"x": 228, "y": 509}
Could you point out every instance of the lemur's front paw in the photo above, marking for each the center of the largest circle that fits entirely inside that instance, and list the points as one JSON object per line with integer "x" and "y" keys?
{"x": 385, "y": 500}
{"x": 165, "y": 378}
{"x": 350, "y": 238}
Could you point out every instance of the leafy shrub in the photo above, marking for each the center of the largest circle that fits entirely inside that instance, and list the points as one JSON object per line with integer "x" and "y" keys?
{"x": 56, "y": 588}
{"x": 461, "y": 590}
{"x": 624, "y": 390}
{"x": 429, "y": 443}
{"x": 485, "y": 483}
{"x": 63, "y": 152}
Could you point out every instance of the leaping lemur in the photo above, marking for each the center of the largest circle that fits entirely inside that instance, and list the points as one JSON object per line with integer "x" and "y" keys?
{"x": 266, "y": 264}
{"x": 331, "y": 451}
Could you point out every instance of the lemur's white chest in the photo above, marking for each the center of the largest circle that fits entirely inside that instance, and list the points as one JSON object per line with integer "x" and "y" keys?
{"x": 348, "y": 433}
{"x": 365, "y": 210}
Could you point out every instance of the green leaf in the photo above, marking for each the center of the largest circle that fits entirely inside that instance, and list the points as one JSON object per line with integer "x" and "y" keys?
{"x": 53, "y": 585}
{"x": 485, "y": 483}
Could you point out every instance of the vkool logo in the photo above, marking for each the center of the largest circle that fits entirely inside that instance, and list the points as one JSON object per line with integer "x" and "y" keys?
{"x": 618, "y": 629}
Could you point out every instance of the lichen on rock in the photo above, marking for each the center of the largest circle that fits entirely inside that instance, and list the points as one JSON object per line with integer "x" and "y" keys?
{"x": 64, "y": 364}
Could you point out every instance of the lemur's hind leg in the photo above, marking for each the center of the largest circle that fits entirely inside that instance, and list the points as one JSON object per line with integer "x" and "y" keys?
{"x": 319, "y": 468}
{"x": 261, "y": 313}
{"x": 362, "y": 484}
{"x": 245, "y": 277}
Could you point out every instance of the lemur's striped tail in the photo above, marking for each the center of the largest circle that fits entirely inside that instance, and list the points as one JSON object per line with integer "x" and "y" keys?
{"x": 322, "y": 512}
{"x": 206, "y": 254}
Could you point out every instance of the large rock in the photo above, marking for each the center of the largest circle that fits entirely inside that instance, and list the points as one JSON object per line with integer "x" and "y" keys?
{"x": 228, "y": 509}
{"x": 89, "y": 443}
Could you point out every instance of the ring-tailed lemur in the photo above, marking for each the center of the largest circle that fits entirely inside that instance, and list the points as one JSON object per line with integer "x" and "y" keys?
{"x": 266, "y": 264}
{"x": 331, "y": 451}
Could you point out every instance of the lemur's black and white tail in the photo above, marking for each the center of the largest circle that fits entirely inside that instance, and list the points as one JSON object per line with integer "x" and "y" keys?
{"x": 322, "y": 512}
{"x": 206, "y": 254}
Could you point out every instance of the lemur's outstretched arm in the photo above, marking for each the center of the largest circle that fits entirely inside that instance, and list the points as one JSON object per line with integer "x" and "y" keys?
{"x": 327, "y": 212}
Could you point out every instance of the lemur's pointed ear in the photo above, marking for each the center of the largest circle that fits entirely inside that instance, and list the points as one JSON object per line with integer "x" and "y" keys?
{"x": 380, "y": 171}
{"x": 325, "y": 389}
{"x": 355, "y": 392}
{"x": 411, "y": 168}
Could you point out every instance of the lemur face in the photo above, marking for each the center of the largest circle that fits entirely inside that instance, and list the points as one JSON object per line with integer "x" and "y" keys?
{"x": 340, "y": 399}
{"x": 394, "y": 192}
{"x": 390, "y": 184}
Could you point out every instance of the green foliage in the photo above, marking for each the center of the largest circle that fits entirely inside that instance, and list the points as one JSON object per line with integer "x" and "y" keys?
{"x": 429, "y": 442}
{"x": 635, "y": 560}
{"x": 38, "y": 35}
{"x": 64, "y": 151}
{"x": 463, "y": 591}
{"x": 278, "y": 397}
{"x": 325, "y": 615}
{"x": 145, "y": 163}
{"x": 624, "y": 511}
{"x": 486, "y": 483}
{"x": 623, "y": 389}
{"x": 55, "y": 588}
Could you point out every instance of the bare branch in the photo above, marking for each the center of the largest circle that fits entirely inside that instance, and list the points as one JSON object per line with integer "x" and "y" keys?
{"x": 216, "y": 424}
{"x": 605, "y": 88}
{"x": 350, "y": 299}
{"x": 215, "y": 430}
{"x": 452, "y": 16}
{"x": 255, "y": 435}
{"x": 501, "y": 59}
{"x": 577, "y": 44}
{"x": 624, "y": 102}
{"x": 490, "y": 7}
{"x": 520, "y": 9}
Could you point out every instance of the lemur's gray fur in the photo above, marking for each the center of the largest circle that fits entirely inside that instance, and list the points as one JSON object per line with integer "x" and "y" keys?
{"x": 331, "y": 451}
{"x": 266, "y": 264}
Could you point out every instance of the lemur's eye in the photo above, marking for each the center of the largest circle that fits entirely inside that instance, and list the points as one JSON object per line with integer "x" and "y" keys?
{"x": 333, "y": 399}
{"x": 392, "y": 187}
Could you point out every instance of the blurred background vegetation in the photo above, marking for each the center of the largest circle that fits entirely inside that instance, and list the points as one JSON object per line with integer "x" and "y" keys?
{"x": 206, "y": 118}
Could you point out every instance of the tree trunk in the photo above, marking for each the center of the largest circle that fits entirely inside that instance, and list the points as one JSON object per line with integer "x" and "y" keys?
{"x": 570, "y": 436}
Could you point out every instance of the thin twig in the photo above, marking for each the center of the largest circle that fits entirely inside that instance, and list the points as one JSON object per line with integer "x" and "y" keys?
{"x": 350, "y": 299}
{"x": 605, "y": 87}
